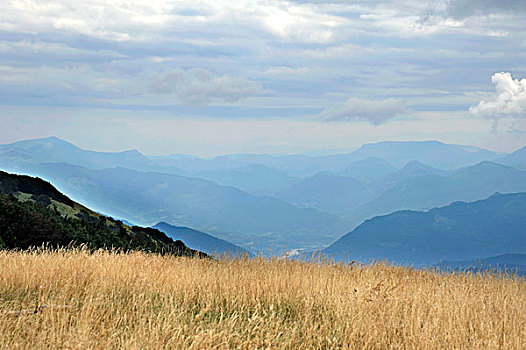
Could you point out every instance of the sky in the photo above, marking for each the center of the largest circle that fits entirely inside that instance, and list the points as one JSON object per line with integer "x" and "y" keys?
{"x": 248, "y": 76}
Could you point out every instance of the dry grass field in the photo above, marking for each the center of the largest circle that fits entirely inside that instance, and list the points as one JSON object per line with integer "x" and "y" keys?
{"x": 76, "y": 300}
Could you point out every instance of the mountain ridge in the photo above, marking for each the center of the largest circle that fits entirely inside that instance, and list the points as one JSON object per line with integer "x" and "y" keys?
{"x": 458, "y": 231}
{"x": 431, "y": 190}
{"x": 53, "y": 149}
{"x": 33, "y": 213}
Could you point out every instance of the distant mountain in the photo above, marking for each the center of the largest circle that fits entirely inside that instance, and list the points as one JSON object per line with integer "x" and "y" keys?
{"x": 369, "y": 170}
{"x": 34, "y": 213}
{"x": 433, "y": 153}
{"x": 153, "y": 189}
{"x": 228, "y": 213}
{"x": 396, "y": 153}
{"x": 293, "y": 165}
{"x": 517, "y": 159}
{"x": 53, "y": 149}
{"x": 253, "y": 178}
{"x": 460, "y": 231}
{"x": 412, "y": 169}
{"x": 200, "y": 241}
{"x": 510, "y": 263}
{"x": 428, "y": 191}
{"x": 329, "y": 192}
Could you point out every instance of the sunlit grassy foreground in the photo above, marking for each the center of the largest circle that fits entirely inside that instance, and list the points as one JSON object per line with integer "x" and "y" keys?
{"x": 66, "y": 300}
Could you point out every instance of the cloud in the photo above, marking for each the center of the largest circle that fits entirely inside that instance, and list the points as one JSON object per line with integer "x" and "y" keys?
{"x": 466, "y": 8}
{"x": 376, "y": 112}
{"x": 198, "y": 86}
{"x": 117, "y": 53}
{"x": 508, "y": 101}
{"x": 154, "y": 20}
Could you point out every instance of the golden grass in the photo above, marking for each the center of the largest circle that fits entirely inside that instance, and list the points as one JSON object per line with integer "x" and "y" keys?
{"x": 76, "y": 300}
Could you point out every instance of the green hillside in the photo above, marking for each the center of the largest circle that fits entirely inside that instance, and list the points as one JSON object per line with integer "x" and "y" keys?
{"x": 33, "y": 213}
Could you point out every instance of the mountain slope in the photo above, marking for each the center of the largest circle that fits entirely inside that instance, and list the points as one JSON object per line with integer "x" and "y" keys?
{"x": 517, "y": 159}
{"x": 253, "y": 178}
{"x": 52, "y": 149}
{"x": 200, "y": 241}
{"x": 10, "y": 183}
{"x": 433, "y": 153}
{"x": 428, "y": 191}
{"x": 329, "y": 192}
{"x": 33, "y": 213}
{"x": 369, "y": 170}
{"x": 412, "y": 169}
{"x": 460, "y": 231}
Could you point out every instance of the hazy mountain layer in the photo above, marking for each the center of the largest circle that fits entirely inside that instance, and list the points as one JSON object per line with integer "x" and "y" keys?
{"x": 433, "y": 153}
{"x": 228, "y": 213}
{"x": 253, "y": 178}
{"x": 428, "y": 191}
{"x": 411, "y": 170}
{"x": 517, "y": 159}
{"x": 369, "y": 170}
{"x": 329, "y": 192}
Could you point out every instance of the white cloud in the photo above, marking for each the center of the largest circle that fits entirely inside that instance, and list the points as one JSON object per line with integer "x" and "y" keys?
{"x": 376, "y": 112}
{"x": 151, "y": 20}
{"x": 200, "y": 86}
{"x": 508, "y": 101}
{"x": 309, "y": 54}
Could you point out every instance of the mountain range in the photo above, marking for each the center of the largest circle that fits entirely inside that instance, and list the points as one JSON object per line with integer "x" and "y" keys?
{"x": 428, "y": 191}
{"x": 52, "y": 149}
{"x": 375, "y": 156}
{"x": 459, "y": 231}
{"x": 265, "y": 201}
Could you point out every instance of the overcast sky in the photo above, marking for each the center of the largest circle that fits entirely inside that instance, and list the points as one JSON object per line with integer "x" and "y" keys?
{"x": 216, "y": 77}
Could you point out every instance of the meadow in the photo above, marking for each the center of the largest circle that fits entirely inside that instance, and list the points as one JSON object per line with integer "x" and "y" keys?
{"x": 111, "y": 300}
